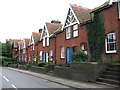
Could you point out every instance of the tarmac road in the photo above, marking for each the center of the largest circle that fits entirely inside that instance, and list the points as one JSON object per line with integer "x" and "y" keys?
{"x": 17, "y": 80}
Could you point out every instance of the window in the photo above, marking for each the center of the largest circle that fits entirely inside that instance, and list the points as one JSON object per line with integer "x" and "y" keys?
{"x": 40, "y": 55}
{"x": 24, "y": 50}
{"x": 25, "y": 58}
{"x": 35, "y": 58}
{"x": 46, "y": 57}
{"x": 111, "y": 43}
{"x": 33, "y": 46}
{"x": 50, "y": 54}
{"x": 68, "y": 33}
{"x": 43, "y": 41}
{"x": 62, "y": 52}
{"x": 47, "y": 41}
{"x": 75, "y": 30}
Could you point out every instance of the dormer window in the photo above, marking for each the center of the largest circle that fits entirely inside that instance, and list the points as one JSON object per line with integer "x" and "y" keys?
{"x": 75, "y": 30}
{"x": 68, "y": 32}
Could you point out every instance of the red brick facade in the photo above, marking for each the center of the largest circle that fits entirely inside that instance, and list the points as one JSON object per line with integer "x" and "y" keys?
{"x": 58, "y": 40}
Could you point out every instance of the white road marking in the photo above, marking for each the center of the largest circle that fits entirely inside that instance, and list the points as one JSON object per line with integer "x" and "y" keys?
{"x": 5, "y": 78}
{"x": 13, "y": 86}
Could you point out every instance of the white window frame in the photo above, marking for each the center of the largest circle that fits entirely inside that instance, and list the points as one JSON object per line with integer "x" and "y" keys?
{"x": 68, "y": 33}
{"x": 43, "y": 41}
{"x": 33, "y": 47}
{"x": 62, "y": 52}
{"x": 50, "y": 55}
{"x": 46, "y": 57}
{"x": 75, "y": 29}
{"x": 47, "y": 41}
{"x": 23, "y": 50}
{"x": 41, "y": 55}
{"x": 113, "y": 51}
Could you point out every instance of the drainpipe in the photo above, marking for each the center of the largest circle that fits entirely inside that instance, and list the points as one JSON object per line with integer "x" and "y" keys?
{"x": 37, "y": 53}
{"x": 55, "y": 49}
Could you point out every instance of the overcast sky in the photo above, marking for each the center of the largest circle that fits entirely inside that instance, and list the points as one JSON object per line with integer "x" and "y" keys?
{"x": 19, "y": 18}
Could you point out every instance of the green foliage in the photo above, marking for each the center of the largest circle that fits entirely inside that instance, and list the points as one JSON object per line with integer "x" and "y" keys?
{"x": 79, "y": 56}
{"x": 7, "y": 49}
{"x": 43, "y": 64}
{"x": 96, "y": 36}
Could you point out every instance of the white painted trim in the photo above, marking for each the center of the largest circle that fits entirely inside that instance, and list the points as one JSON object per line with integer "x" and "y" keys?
{"x": 114, "y": 51}
{"x": 46, "y": 30}
{"x": 70, "y": 8}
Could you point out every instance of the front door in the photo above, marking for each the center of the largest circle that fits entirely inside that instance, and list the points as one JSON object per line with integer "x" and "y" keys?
{"x": 44, "y": 57}
{"x": 68, "y": 55}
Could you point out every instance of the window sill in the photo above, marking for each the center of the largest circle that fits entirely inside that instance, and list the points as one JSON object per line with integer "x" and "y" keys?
{"x": 62, "y": 58}
{"x": 110, "y": 52}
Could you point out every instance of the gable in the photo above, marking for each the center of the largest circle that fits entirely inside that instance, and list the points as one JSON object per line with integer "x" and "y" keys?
{"x": 71, "y": 18}
{"x": 31, "y": 40}
{"x": 44, "y": 33}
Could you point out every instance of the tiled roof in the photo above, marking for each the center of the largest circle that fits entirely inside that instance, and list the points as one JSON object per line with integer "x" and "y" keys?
{"x": 81, "y": 13}
{"x": 103, "y": 5}
{"x": 52, "y": 27}
{"x": 36, "y": 37}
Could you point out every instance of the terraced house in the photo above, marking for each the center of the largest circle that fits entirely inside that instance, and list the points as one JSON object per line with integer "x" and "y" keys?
{"x": 55, "y": 43}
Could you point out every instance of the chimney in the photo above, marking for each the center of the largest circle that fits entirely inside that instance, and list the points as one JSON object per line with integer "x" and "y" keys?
{"x": 40, "y": 30}
{"x": 57, "y": 22}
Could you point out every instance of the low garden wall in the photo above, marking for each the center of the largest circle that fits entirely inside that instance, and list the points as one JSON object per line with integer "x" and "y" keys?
{"x": 81, "y": 71}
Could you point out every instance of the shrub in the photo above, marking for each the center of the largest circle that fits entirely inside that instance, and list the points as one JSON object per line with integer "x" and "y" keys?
{"x": 43, "y": 64}
{"x": 79, "y": 56}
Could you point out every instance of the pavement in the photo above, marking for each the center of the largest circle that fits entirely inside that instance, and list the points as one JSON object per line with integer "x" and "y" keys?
{"x": 66, "y": 82}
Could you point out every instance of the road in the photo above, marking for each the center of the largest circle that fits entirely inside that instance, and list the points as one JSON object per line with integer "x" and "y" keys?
{"x": 16, "y": 80}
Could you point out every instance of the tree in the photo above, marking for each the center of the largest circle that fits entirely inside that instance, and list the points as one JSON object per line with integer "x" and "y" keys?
{"x": 7, "y": 49}
{"x": 96, "y": 36}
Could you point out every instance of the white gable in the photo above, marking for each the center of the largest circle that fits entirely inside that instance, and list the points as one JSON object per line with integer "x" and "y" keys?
{"x": 71, "y": 18}
{"x": 31, "y": 40}
{"x": 44, "y": 32}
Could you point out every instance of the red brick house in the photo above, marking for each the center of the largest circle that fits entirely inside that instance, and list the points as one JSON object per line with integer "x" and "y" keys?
{"x": 46, "y": 46}
{"x": 35, "y": 37}
{"x": 111, "y": 12}
{"x": 15, "y": 48}
{"x": 20, "y": 50}
{"x": 56, "y": 43}
{"x": 73, "y": 35}
{"x": 25, "y": 50}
